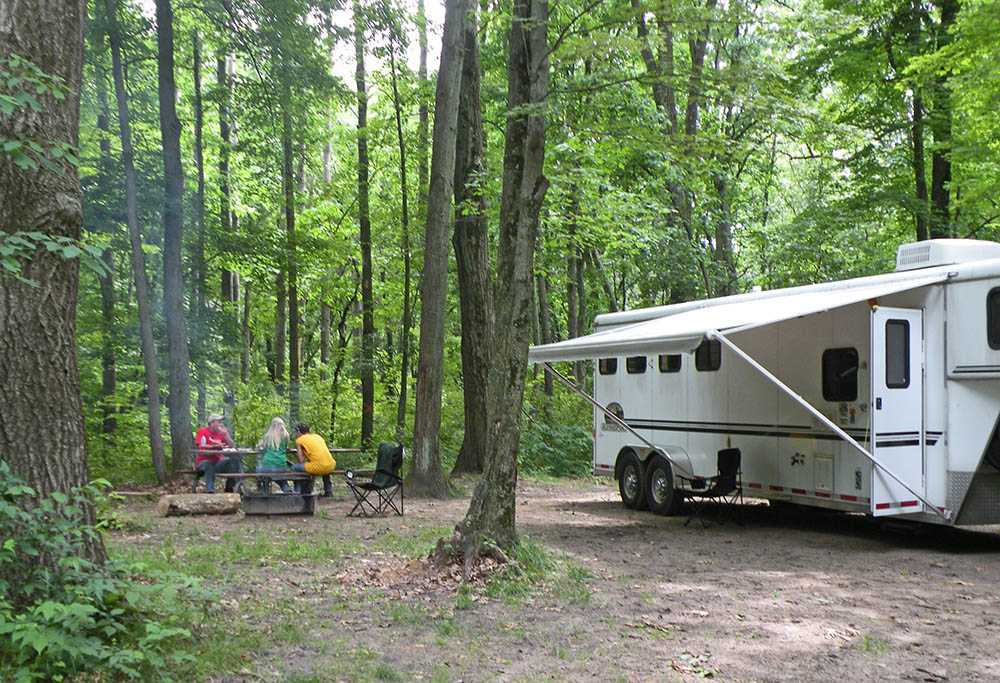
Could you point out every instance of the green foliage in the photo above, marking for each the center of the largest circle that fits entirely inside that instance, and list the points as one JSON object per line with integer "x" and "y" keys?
{"x": 557, "y": 450}
{"x": 62, "y": 615}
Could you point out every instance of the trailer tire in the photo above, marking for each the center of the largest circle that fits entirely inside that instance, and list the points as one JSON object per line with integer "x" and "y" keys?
{"x": 661, "y": 496}
{"x": 631, "y": 480}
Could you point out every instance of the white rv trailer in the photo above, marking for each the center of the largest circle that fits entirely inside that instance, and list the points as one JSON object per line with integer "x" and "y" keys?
{"x": 878, "y": 394}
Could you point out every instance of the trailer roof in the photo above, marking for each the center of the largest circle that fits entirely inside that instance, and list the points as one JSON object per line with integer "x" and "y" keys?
{"x": 682, "y": 327}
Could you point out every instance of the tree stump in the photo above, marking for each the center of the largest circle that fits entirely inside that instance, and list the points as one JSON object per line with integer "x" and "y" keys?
{"x": 175, "y": 505}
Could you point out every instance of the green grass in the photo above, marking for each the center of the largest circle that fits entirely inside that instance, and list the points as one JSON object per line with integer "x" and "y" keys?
{"x": 873, "y": 645}
{"x": 413, "y": 544}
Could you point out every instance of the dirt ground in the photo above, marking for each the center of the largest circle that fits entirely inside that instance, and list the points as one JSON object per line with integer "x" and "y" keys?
{"x": 789, "y": 595}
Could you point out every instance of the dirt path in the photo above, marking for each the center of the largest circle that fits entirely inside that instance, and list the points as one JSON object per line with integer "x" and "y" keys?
{"x": 787, "y": 596}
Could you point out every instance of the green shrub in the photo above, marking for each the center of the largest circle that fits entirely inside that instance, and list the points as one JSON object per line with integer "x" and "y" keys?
{"x": 555, "y": 450}
{"x": 62, "y": 615}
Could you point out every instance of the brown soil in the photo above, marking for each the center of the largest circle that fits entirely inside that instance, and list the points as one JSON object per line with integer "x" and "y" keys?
{"x": 783, "y": 595}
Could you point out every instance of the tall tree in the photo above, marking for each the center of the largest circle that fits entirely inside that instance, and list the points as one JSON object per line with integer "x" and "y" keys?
{"x": 472, "y": 257}
{"x": 426, "y": 475}
{"x": 941, "y": 128}
{"x": 491, "y": 513}
{"x": 138, "y": 257}
{"x": 200, "y": 317}
{"x": 404, "y": 224}
{"x": 365, "y": 229}
{"x": 423, "y": 117}
{"x": 41, "y": 383}
{"x": 179, "y": 397}
{"x": 290, "y": 251}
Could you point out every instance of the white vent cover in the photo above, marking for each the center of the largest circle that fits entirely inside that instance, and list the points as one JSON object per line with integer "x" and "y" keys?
{"x": 944, "y": 252}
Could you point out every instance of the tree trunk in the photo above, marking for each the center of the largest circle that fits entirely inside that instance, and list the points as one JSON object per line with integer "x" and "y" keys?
{"x": 423, "y": 117}
{"x": 288, "y": 181}
{"x": 544, "y": 322}
{"x": 281, "y": 304}
{"x": 579, "y": 368}
{"x": 426, "y": 476}
{"x": 179, "y": 397}
{"x": 106, "y": 279}
{"x": 200, "y": 319}
{"x": 472, "y": 258}
{"x": 491, "y": 512}
{"x": 245, "y": 351}
{"x": 365, "y": 236}
{"x": 138, "y": 257}
{"x": 940, "y": 122}
{"x": 404, "y": 335}
{"x": 723, "y": 251}
{"x": 225, "y": 90}
{"x": 41, "y": 419}
{"x": 343, "y": 338}
{"x": 602, "y": 275}
{"x": 324, "y": 339}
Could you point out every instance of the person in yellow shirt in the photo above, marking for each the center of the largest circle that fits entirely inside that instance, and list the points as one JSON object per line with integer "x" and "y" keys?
{"x": 314, "y": 456}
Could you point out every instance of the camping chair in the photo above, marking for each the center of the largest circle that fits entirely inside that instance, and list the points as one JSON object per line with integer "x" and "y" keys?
{"x": 725, "y": 488}
{"x": 384, "y": 490}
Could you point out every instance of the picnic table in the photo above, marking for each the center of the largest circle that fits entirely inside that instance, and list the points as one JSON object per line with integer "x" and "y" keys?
{"x": 239, "y": 453}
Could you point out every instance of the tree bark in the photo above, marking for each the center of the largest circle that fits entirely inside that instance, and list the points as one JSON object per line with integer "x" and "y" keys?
{"x": 179, "y": 397}
{"x": 423, "y": 116}
{"x": 138, "y": 258}
{"x": 426, "y": 475}
{"x": 404, "y": 335}
{"x": 940, "y": 123}
{"x": 41, "y": 419}
{"x": 324, "y": 339}
{"x": 609, "y": 290}
{"x": 107, "y": 279}
{"x": 472, "y": 258}
{"x": 917, "y": 135}
{"x": 365, "y": 236}
{"x": 280, "y": 323}
{"x": 491, "y": 513}
{"x": 224, "y": 84}
{"x": 343, "y": 338}
{"x": 198, "y": 338}
{"x": 288, "y": 182}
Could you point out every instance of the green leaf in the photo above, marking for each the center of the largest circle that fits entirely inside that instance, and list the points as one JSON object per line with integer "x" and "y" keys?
{"x": 71, "y": 251}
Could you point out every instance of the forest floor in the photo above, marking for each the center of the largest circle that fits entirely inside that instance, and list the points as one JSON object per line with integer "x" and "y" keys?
{"x": 605, "y": 594}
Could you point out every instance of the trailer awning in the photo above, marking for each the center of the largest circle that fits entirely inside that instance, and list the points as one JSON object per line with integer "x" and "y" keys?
{"x": 683, "y": 331}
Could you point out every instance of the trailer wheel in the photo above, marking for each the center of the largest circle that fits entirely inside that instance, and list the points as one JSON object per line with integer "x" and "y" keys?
{"x": 663, "y": 499}
{"x": 631, "y": 481}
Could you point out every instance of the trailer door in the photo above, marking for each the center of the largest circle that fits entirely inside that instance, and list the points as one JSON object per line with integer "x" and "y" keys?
{"x": 897, "y": 409}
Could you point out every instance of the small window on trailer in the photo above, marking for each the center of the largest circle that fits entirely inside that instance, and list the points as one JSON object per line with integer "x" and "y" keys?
{"x": 993, "y": 318}
{"x": 635, "y": 365}
{"x": 607, "y": 366}
{"x": 670, "y": 362}
{"x": 708, "y": 356}
{"x": 840, "y": 374}
{"x": 897, "y": 354}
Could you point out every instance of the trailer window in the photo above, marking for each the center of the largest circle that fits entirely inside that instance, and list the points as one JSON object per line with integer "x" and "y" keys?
{"x": 708, "y": 356}
{"x": 840, "y": 374}
{"x": 607, "y": 366}
{"x": 635, "y": 365}
{"x": 670, "y": 362}
{"x": 993, "y": 318}
{"x": 897, "y": 354}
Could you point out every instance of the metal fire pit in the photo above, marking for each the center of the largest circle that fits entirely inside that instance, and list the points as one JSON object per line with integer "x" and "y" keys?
{"x": 282, "y": 504}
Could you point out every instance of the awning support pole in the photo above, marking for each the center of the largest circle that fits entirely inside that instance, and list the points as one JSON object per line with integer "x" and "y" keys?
{"x": 715, "y": 334}
{"x": 620, "y": 422}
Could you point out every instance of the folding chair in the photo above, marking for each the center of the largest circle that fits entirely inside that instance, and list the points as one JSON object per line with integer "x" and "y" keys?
{"x": 725, "y": 488}
{"x": 384, "y": 490}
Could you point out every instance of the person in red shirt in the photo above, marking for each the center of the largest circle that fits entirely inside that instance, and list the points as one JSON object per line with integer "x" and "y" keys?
{"x": 214, "y": 437}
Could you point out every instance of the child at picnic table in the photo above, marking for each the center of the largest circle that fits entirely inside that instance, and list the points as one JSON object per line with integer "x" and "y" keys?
{"x": 314, "y": 457}
{"x": 214, "y": 437}
{"x": 273, "y": 445}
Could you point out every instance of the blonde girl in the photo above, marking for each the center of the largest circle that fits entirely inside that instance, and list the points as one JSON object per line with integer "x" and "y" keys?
{"x": 272, "y": 447}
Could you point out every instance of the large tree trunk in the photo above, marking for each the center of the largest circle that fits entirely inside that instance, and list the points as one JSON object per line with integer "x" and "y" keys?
{"x": 940, "y": 123}
{"x": 365, "y": 236}
{"x": 138, "y": 258}
{"x": 404, "y": 335}
{"x": 200, "y": 319}
{"x": 423, "y": 116}
{"x": 292, "y": 260}
{"x": 491, "y": 513}
{"x": 224, "y": 94}
{"x": 107, "y": 279}
{"x": 426, "y": 475}
{"x": 179, "y": 397}
{"x": 41, "y": 419}
{"x": 280, "y": 323}
{"x": 472, "y": 258}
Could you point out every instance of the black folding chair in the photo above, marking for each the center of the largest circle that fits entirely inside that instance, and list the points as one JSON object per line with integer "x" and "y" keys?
{"x": 384, "y": 491}
{"x": 725, "y": 488}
